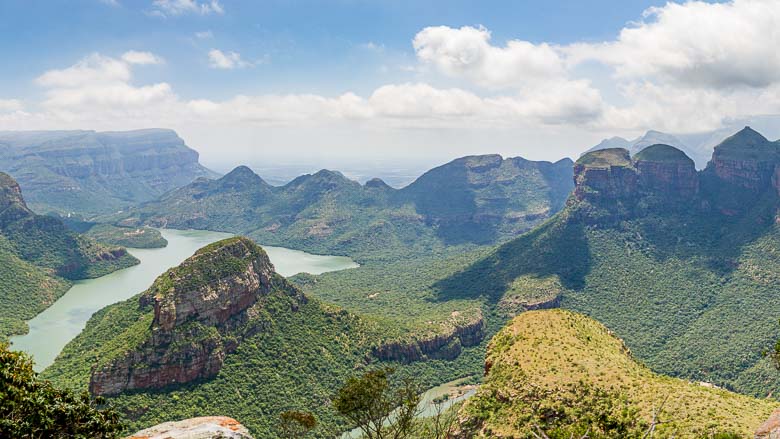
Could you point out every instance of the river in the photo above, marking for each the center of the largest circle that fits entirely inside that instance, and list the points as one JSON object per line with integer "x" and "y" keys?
{"x": 52, "y": 329}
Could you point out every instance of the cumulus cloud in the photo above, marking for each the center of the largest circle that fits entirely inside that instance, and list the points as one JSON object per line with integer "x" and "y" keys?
{"x": 166, "y": 8}
{"x": 225, "y": 60}
{"x": 102, "y": 81}
{"x": 697, "y": 44}
{"x": 467, "y": 52}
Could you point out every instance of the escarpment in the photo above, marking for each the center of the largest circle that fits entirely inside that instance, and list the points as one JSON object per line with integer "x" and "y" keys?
{"x": 200, "y": 312}
{"x": 746, "y": 160}
{"x": 446, "y": 344}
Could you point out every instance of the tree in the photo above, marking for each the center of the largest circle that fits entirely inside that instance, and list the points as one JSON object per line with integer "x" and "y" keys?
{"x": 33, "y": 408}
{"x": 376, "y": 407}
{"x": 296, "y": 424}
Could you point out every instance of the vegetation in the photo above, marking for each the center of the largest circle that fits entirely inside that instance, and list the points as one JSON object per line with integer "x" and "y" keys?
{"x": 90, "y": 173}
{"x": 605, "y": 158}
{"x": 565, "y": 374}
{"x": 662, "y": 153}
{"x": 33, "y": 408}
{"x": 38, "y": 256}
{"x": 474, "y": 200}
{"x": 140, "y": 237}
{"x": 380, "y": 411}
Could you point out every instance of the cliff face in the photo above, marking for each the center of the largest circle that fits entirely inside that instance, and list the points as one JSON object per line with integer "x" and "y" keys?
{"x": 746, "y": 160}
{"x": 667, "y": 170}
{"x": 201, "y": 311}
{"x": 445, "y": 344}
{"x": 91, "y": 172}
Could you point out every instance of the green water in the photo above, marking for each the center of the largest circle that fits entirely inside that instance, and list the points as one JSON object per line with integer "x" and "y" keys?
{"x": 52, "y": 329}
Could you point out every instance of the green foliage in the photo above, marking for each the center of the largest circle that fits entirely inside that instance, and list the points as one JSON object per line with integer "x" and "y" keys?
{"x": 663, "y": 153}
{"x": 296, "y": 424}
{"x": 568, "y": 374}
{"x": 473, "y": 200}
{"x": 603, "y": 158}
{"x": 140, "y": 237}
{"x": 30, "y": 407}
{"x": 371, "y": 403}
{"x": 38, "y": 255}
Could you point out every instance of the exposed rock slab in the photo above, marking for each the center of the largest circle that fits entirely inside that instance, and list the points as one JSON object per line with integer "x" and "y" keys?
{"x": 206, "y": 427}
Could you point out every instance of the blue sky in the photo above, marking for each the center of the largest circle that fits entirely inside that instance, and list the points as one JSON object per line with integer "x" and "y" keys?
{"x": 246, "y": 80}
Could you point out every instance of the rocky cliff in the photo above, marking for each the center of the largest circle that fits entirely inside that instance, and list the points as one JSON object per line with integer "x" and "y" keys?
{"x": 605, "y": 175}
{"x": 92, "y": 172}
{"x": 445, "y": 344}
{"x": 201, "y": 309}
{"x": 746, "y": 160}
{"x": 666, "y": 170}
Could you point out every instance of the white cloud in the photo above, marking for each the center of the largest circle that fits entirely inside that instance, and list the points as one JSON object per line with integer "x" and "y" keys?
{"x": 697, "y": 44}
{"x": 166, "y": 8}
{"x": 204, "y": 35}
{"x": 467, "y": 52}
{"x": 142, "y": 58}
{"x": 8, "y": 105}
{"x": 99, "y": 80}
{"x": 226, "y": 60}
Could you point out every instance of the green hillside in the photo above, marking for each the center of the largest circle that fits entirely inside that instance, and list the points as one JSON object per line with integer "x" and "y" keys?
{"x": 286, "y": 350}
{"x": 545, "y": 360}
{"x": 471, "y": 201}
{"x": 39, "y": 256}
{"x": 688, "y": 284}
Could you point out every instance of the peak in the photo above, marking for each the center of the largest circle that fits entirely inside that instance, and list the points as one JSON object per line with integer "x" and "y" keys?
{"x": 747, "y": 144}
{"x": 240, "y": 171}
{"x": 748, "y": 136}
{"x": 663, "y": 153}
{"x": 242, "y": 175}
{"x": 604, "y": 158}
{"x": 327, "y": 173}
{"x": 377, "y": 183}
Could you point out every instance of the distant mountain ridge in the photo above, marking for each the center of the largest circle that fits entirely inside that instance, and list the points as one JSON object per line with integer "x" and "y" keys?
{"x": 38, "y": 255}
{"x": 89, "y": 172}
{"x": 681, "y": 264}
{"x": 472, "y": 200}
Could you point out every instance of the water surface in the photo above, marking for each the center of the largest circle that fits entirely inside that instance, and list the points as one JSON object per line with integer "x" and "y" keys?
{"x": 52, "y": 329}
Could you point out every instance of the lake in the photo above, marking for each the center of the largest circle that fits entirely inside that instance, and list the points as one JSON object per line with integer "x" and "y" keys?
{"x": 52, "y": 329}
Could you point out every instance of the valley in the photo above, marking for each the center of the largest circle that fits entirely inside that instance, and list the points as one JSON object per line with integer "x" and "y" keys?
{"x": 53, "y": 328}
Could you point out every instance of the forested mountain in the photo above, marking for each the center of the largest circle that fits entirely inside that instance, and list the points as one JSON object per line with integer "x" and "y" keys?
{"x": 682, "y": 265}
{"x": 38, "y": 257}
{"x": 473, "y": 200}
{"x": 88, "y": 172}
{"x": 567, "y": 374}
{"x": 221, "y": 333}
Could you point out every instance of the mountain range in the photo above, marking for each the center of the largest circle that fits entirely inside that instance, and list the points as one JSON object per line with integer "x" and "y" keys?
{"x": 474, "y": 200}
{"x": 682, "y": 265}
{"x": 39, "y": 257}
{"x": 88, "y": 172}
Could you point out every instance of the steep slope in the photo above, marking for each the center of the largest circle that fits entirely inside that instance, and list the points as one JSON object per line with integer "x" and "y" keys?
{"x": 534, "y": 361}
{"x": 681, "y": 265}
{"x": 38, "y": 254}
{"x": 90, "y": 172}
{"x": 220, "y": 334}
{"x": 474, "y": 200}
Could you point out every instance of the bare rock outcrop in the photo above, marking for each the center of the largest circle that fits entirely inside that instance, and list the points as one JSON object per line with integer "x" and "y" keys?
{"x": 771, "y": 428}
{"x": 206, "y": 427}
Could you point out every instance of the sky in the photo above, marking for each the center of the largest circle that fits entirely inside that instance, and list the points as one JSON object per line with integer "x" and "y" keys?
{"x": 289, "y": 81}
